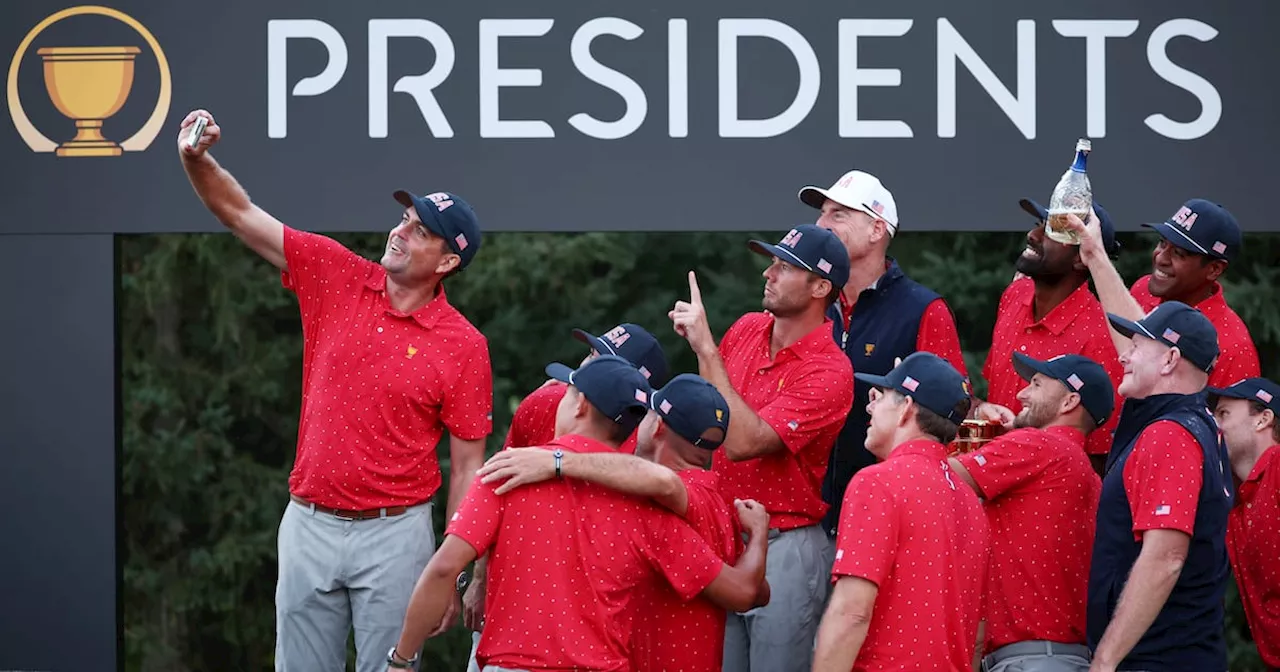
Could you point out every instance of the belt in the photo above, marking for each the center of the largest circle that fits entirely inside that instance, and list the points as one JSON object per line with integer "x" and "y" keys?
{"x": 1034, "y": 648}
{"x": 352, "y": 514}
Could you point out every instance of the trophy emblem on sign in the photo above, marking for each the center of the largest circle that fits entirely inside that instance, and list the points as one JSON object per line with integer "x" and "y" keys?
{"x": 88, "y": 85}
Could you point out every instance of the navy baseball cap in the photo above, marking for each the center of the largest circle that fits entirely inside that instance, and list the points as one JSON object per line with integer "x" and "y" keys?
{"x": 633, "y": 343}
{"x": 1203, "y": 227}
{"x": 1105, "y": 223}
{"x": 449, "y": 217}
{"x": 611, "y": 384}
{"x": 812, "y": 248}
{"x": 1260, "y": 390}
{"x": 1079, "y": 374}
{"x": 692, "y": 407}
{"x": 930, "y": 380}
{"x": 1177, "y": 325}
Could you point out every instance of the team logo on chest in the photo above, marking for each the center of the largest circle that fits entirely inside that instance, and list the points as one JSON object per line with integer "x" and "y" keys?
{"x": 410, "y": 352}
{"x": 868, "y": 348}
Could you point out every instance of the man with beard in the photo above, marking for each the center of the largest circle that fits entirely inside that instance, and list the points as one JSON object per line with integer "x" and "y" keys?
{"x": 1247, "y": 414}
{"x": 1196, "y": 244}
{"x": 687, "y": 421}
{"x": 1041, "y": 498}
{"x": 1051, "y": 311}
{"x": 789, "y": 389}
{"x": 388, "y": 367}
{"x": 882, "y": 315}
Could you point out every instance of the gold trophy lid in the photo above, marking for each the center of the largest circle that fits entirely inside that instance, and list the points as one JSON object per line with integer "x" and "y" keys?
{"x": 88, "y": 53}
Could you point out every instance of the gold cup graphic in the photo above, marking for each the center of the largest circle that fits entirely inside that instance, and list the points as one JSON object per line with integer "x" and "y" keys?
{"x": 88, "y": 85}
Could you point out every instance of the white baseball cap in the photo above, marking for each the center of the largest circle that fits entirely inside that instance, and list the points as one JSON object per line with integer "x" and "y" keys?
{"x": 859, "y": 191}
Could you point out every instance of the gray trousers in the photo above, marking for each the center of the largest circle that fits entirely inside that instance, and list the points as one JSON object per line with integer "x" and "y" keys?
{"x": 1038, "y": 656}
{"x": 338, "y": 575}
{"x": 779, "y": 636}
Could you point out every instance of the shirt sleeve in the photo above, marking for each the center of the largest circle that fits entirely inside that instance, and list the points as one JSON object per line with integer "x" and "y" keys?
{"x": 534, "y": 422}
{"x": 1146, "y": 300}
{"x": 867, "y": 540}
{"x": 467, "y": 411}
{"x": 314, "y": 260}
{"x": 705, "y": 513}
{"x": 1101, "y": 349}
{"x": 1162, "y": 479}
{"x": 675, "y": 551}
{"x": 810, "y": 402}
{"x": 1238, "y": 359}
{"x": 938, "y": 335}
{"x": 1006, "y": 462}
{"x": 478, "y": 517}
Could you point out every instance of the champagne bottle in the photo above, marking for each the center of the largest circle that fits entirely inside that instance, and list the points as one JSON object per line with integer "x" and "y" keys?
{"x": 1072, "y": 196}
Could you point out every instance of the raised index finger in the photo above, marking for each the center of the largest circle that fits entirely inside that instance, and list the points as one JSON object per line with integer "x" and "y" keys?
{"x": 695, "y": 294}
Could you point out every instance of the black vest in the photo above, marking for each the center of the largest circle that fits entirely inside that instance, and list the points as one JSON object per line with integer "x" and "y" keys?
{"x": 1187, "y": 634}
{"x": 885, "y": 325}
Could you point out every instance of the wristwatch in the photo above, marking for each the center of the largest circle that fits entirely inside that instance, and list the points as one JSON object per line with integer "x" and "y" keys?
{"x": 463, "y": 580}
{"x": 559, "y": 455}
{"x": 400, "y": 662}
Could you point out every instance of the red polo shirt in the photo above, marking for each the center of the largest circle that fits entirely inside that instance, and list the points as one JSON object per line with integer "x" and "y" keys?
{"x": 673, "y": 634}
{"x": 534, "y": 422}
{"x": 1077, "y": 326}
{"x": 1162, "y": 479}
{"x": 1253, "y": 542}
{"x": 913, "y": 528}
{"x": 1238, "y": 358}
{"x": 379, "y": 387}
{"x": 566, "y": 559}
{"x": 804, "y": 394}
{"x": 1042, "y": 501}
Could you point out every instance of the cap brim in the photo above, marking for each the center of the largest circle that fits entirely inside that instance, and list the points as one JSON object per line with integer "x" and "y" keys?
{"x": 1226, "y": 392}
{"x": 1128, "y": 328}
{"x": 771, "y": 250}
{"x": 814, "y": 197}
{"x": 1034, "y": 209}
{"x": 560, "y": 372}
{"x": 599, "y": 344}
{"x": 1027, "y": 367}
{"x": 403, "y": 198}
{"x": 1175, "y": 236}
{"x": 874, "y": 380}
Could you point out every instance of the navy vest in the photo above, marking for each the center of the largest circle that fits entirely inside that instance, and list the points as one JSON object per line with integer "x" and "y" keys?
{"x": 885, "y": 325}
{"x": 1187, "y": 634}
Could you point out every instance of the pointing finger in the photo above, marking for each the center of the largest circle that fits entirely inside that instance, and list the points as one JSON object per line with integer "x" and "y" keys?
{"x": 695, "y": 294}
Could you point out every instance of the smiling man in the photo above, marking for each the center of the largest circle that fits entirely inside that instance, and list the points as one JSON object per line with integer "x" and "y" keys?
{"x": 388, "y": 367}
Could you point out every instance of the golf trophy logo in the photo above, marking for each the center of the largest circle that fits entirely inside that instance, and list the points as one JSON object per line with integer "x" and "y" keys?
{"x": 88, "y": 85}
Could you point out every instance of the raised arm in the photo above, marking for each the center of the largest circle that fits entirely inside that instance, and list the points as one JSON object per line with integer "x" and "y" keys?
{"x": 625, "y": 473}
{"x": 1112, "y": 292}
{"x": 225, "y": 198}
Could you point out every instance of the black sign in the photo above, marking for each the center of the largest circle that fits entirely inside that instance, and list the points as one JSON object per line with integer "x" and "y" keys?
{"x": 655, "y": 116}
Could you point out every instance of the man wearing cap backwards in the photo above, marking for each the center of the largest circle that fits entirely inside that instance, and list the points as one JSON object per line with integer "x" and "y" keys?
{"x": 1042, "y": 498}
{"x": 789, "y": 389}
{"x": 881, "y": 315}
{"x": 533, "y": 424}
{"x": 388, "y": 367}
{"x": 1246, "y": 412}
{"x": 913, "y": 542}
{"x": 1049, "y": 311}
{"x": 1159, "y": 566}
{"x": 567, "y": 557}
{"x": 687, "y": 421}
{"x": 1196, "y": 245}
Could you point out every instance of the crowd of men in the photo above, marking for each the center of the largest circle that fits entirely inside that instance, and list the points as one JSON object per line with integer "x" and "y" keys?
{"x": 798, "y": 503}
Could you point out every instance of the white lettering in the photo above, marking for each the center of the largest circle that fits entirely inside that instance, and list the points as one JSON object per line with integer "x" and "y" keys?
{"x": 1210, "y": 101}
{"x": 678, "y": 78}
{"x": 1095, "y": 34}
{"x": 492, "y": 125}
{"x": 1021, "y": 109}
{"x": 851, "y": 77}
{"x": 279, "y": 31}
{"x": 731, "y": 126}
{"x": 418, "y": 86}
{"x": 632, "y": 94}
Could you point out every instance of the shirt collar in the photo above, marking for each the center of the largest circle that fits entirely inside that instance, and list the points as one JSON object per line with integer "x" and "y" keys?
{"x": 810, "y": 344}
{"x": 1072, "y": 434}
{"x": 1064, "y": 313}
{"x": 427, "y": 316}
{"x": 922, "y": 447}
{"x": 577, "y": 443}
{"x": 1268, "y": 456}
{"x": 1214, "y": 303}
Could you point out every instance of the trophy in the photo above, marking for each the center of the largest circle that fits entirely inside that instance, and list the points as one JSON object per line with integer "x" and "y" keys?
{"x": 88, "y": 85}
{"x": 973, "y": 434}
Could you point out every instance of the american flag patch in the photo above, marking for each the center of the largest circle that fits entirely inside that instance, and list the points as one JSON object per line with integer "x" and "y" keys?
{"x": 1075, "y": 382}
{"x": 665, "y": 406}
{"x": 824, "y": 265}
{"x": 1163, "y": 510}
{"x": 461, "y": 240}
{"x": 1171, "y": 336}
{"x": 1264, "y": 395}
{"x": 911, "y": 383}
{"x": 642, "y": 396}
{"x": 1220, "y": 247}
{"x": 792, "y": 425}
{"x": 644, "y": 372}
{"x": 982, "y": 461}
{"x": 878, "y": 207}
